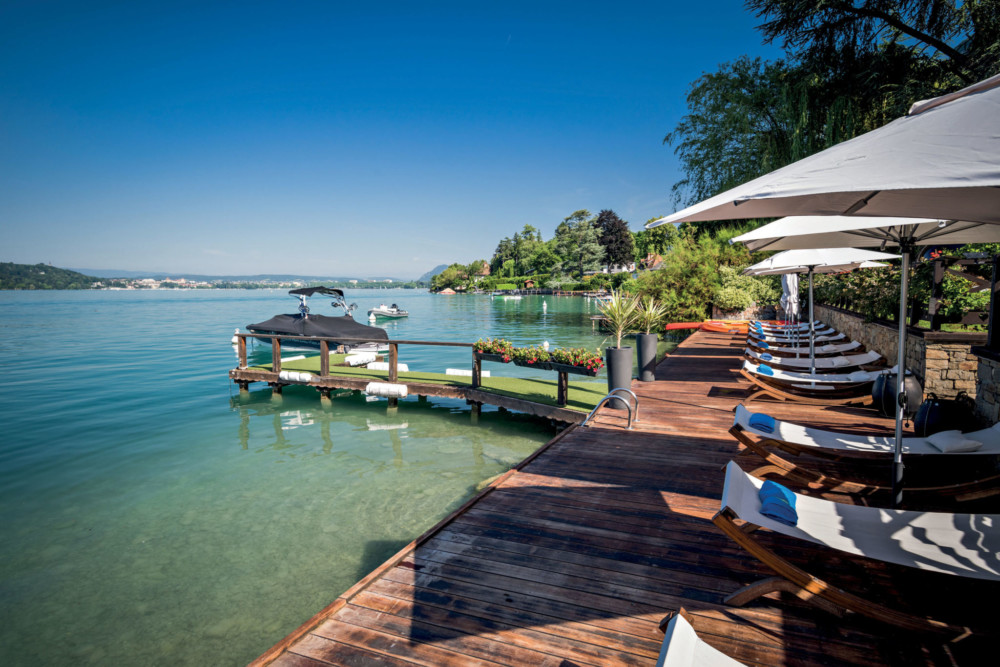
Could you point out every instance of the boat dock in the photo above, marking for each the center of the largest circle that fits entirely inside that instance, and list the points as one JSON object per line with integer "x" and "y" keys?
{"x": 558, "y": 399}
{"x": 574, "y": 556}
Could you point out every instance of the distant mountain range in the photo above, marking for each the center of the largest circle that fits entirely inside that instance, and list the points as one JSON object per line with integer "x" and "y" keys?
{"x": 260, "y": 277}
{"x": 426, "y": 278}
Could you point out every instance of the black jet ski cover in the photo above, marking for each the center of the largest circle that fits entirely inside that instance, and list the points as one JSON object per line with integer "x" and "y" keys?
{"x": 319, "y": 325}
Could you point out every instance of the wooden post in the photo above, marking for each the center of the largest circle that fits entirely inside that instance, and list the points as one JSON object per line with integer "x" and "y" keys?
{"x": 276, "y": 354}
{"x": 324, "y": 360}
{"x": 563, "y": 388}
{"x": 477, "y": 370}
{"x": 241, "y": 347}
{"x": 393, "y": 370}
{"x": 993, "y": 335}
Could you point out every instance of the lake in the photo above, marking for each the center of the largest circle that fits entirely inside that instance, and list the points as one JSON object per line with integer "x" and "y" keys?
{"x": 149, "y": 516}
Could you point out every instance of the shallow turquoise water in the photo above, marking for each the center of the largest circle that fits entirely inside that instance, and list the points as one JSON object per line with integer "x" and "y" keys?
{"x": 150, "y": 516}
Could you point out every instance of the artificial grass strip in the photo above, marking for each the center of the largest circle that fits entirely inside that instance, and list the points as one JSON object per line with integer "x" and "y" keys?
{"x": 582, "y": 395}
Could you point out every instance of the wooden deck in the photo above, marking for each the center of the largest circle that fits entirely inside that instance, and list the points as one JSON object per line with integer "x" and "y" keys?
{"x": 575, "y": 556}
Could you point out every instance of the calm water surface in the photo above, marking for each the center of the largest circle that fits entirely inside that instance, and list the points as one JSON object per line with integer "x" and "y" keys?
{"x": 150, "y": 516}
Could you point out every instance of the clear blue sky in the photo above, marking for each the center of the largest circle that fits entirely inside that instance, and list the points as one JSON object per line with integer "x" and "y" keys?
{"x": 336, "y": 138}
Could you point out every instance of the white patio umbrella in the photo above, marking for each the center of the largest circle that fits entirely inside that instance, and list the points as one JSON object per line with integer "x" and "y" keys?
{"x": 790, "y": 295}
{"x": 795, "y": 232}
{"x": 942, "y": 160}
{"x": 817, "y": 260}
{"x": 938, "y": 161}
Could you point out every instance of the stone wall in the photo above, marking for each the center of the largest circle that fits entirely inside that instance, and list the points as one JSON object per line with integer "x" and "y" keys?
{"x": 943, "y": 361}
{"x": 877, "y": 336}
{"x": 988, "y": 390}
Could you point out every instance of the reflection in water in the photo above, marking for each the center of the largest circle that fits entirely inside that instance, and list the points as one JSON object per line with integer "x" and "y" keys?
{"x": 350, "y": 425}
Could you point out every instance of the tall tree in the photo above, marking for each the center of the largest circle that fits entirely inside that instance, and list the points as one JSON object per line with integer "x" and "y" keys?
{"x": 615, "y": 237}
{"x": 958, "y": 41}
{"x": 504, "y": 251}
{"x": 576, "y": 242}
{"x": 653, "y": 241}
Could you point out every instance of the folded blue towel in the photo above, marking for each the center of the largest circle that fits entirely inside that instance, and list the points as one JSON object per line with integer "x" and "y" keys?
{"x": 764, "y": 369}
{"x": 764, "y": 345}
{"x": 766, "y": 356}
{"x": 762, "y": 422}
{"x": 778, "y": 503}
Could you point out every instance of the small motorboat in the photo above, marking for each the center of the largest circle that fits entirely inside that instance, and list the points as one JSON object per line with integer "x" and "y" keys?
{"x": 305, "y": 323}
{"x": 383, "y": 310}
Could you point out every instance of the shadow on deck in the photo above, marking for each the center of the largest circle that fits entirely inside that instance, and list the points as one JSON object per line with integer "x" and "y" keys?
{"x": 575, "y": 556}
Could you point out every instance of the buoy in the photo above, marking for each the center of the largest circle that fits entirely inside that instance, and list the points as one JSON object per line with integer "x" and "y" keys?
{"x": 386, "y": 390}
{"x": 384, "y": 366}
{"x": 371, "y": 317}
{"x": 545, "y": 306}
{"x": 236, "y": 339}
{"x": 545, "y": 346}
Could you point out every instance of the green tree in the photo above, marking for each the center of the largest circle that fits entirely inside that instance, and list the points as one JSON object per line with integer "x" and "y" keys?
{"x": 576, "y": 242}
{"x": 688, "y": 279}
{"x": 957, "y": 43}
{"x": 543, "y": 260}
{"x": 504, "y": 251}
{"x": 454, "y": 276}
{"x": 616, "y": 238}
{"x": 656, "y": 240}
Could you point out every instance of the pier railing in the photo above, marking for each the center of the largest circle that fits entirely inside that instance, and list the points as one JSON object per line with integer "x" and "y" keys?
{"x": 562, "y": 382}
{"x": 324, "y": 351}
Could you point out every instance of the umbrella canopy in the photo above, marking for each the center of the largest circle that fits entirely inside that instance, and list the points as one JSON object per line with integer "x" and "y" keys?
{"x": 816, "y": 260}
{"x": 790, "y": 295}
{"x": 792, "y": 271}
{"x": 822, "y": 260}
{"x": 826, "y": 231}
{"x": 938, "y": 161}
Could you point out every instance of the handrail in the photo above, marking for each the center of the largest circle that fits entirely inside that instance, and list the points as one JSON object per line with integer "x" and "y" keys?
{"x": 610, "y": 396}
{"x": 350, "y": 339}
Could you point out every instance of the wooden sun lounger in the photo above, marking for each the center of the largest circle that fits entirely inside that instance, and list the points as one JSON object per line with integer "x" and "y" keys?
{"x": 824, "y": 350}
{"x": 962, "y": 545}
{"x": 831, "y": 364}
{"x": 825, "y": 336}
{"x": 826, "y": 389}
{"x": 795, "y": 440}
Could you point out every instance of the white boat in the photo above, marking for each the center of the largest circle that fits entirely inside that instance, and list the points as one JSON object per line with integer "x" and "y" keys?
{"x": 383, "y": 310}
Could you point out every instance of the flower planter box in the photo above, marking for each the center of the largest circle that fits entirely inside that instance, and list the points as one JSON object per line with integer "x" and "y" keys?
{"x": 540, "y": 365}
{"x": 575, "y": 370}
{"x": 485, "y": 356}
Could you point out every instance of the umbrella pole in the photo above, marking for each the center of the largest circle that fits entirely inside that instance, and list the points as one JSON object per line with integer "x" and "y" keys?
{"x": 897, "y": 459}
{"x": 812, "y": 327}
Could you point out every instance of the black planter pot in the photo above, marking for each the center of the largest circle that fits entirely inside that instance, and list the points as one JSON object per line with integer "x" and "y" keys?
{"x": 619, "y": 361}
{"x": 646, "y": 343}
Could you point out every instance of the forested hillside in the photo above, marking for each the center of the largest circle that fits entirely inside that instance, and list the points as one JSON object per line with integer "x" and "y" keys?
{"x": 41, "y": 276}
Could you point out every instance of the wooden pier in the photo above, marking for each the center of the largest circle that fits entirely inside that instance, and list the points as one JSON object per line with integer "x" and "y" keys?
{"x": 573, "y": 400}
{"x": 574, "y": 556}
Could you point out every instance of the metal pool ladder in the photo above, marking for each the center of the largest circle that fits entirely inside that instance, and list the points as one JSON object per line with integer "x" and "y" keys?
{"x": 611, "y": 395}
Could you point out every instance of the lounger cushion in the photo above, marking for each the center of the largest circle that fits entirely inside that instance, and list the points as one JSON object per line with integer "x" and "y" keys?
{"x": 763, "y": 345}
{"x": 764, "y": 369}
{"x": 778, "y": 502}
{"x": 766, "y": 357}
{"x": 762, "y": 422}
{"x": 859, "y": 376}
{"x": 951, "y": 442}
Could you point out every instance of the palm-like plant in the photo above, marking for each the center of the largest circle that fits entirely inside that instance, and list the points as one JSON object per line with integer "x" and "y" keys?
{"x": 621, "y": 312}
{"x": 651, "y": 314}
